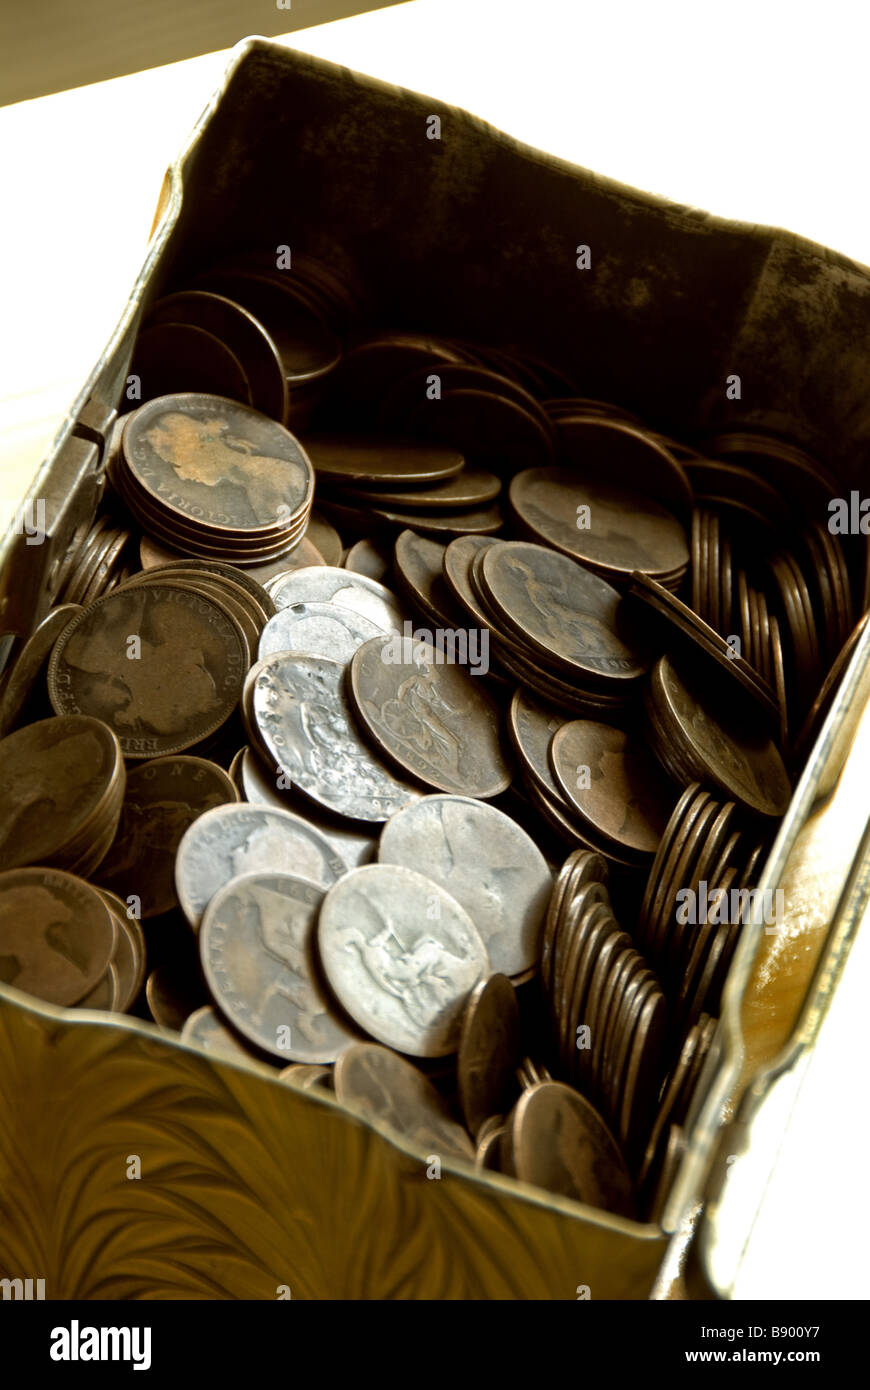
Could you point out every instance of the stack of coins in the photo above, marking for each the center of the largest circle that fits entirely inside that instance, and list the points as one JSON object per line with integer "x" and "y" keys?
{"x": 342, "y": 832}
{"x": 61, "y": 790}
{"x": 214, "y": 479}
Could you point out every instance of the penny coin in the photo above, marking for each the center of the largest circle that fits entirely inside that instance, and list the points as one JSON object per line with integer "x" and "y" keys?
{"x": 181, "y": 357}
{"x": 162, "y": 799}
{"x": 613, "y": 783}
{"x": 130, "y": 952}
{"x": 388, "y": 1090}
{"x": 307, "y": 729}
{"x": 309, "y": 1076}
{"x": 401, "y": 956}
{"x": 27, "y": 666}
{"x": 606, "y": 448}
{"x": 172, "y": 994}
{"x": 563, "y": 611}
{"x": 235, "y": 578}
{"x": 260, "y": 788}
{"x": 716, "y": 746}
{"x": 256, "y": 946}
{"x": 374, "y": 460}
{"x": 418, "y": 565}
{"x": 228, "y": 841}
{"x": 432, "y": 719}
{"x": 486, "y": 862}
{"x": 57, "y": 936}
{"x": 368, "y": 558}
{"x": 348, "y": 590}
{"x": 58, "y": 778}
{"x": 325, "y": 537}
{"x": 556, "y": 1140}
{"x": 205, "y": 1029}
{"x": 243, "y": 334}
{"x": 622, "y": 531}
{"x": 218, "y": 464}
{"x": 162, "y": 666}
{"x": 318, "y": 629}
{"x": 531, "y": 726}
{"x": 490, "y": 1050}
{"x": 106, "y": 994}
{"x": 471, "y": 488}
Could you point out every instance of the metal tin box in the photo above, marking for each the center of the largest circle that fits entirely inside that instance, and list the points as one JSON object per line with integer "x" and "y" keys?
{"x": 249, "y": 1186}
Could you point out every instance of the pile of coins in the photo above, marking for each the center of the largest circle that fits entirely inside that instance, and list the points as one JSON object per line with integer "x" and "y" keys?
{"x": 482, "y": 878}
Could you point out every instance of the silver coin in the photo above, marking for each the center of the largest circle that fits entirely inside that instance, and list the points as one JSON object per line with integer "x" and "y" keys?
{"x": 305, "y": 723}
{"x": 401, "y": 956}
{"x": 320, "y": 629}
{"x": 257, "y": 951}
{"x": 231, "y": 840}
{"x": 329, "y": 584}
{"x": 486, "y": 862}
{"x": 383, "y": 1087}
{"x": 260, "y": 789}
{"x": 205, "y": 1028}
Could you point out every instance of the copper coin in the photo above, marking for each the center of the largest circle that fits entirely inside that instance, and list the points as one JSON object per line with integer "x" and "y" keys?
{"x": 256, "y": 944}
{"x": 388, "y": 1090}
{"x": 626, "y": 531}
{"x": 162, "y": 666}
{"x": 55, "y": 777}
{"x": 368, "y": 558}
{"x": 565, "y": 612}
{"x": 613, "y": 783}
{"x": 204, "y": 1028}
{"x": 219, "y": 464}
{"x": 162, "y": 799}
{"x": 57, "y": 936}
{"x": 432, "y": 719}
{"x": 26, "y": 668}
{"x": 559, "y": 1142}
{"x": 489, "y": 1052}
{"x": 181, "y": 357}
{"x": 471, "y": 488}
{"x": 380, "y": 460}
{"x": 325, "y": 537}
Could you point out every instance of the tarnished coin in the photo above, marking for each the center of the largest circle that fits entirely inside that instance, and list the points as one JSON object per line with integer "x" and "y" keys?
{"x": 172, "y": 993}
{"x": 348, "y": 459}
{"x": 206, "y": 1029}
{"x": 325, "y": 537}
{"x": 486, "y": 862}
{"x": 490, "y": 1051}
{"x": 162, "y": 666}
{"x": 368, "y": 558}
{"x": 325, "y": 584}
{"x": 61, "y": 782}
{"x": 387, "y": 1089}
{"x": 162, "y": 799}
{"x": 262, "y": 789}
{"x": 470, "y": 488}
{"x": 218, "y": 463}
{"x": 531, "y": 726}
{"x": 622, "y": 531}
{"x": 556, "y": 1140}
{"x": 305, "y": 723}
{"x": 712, "y": 743}
{"x": 308, "y": 1075}
{"x": 613, "y": 782}
{"x": 563, "y": 611}
{"x": 34, "y": 654}
{"x": 433, "y": 719}
{"x": 57, "y": 936}
{"x": 319, "y": 629}
{"x": 129, "y": 959}
{"x": 402, "y": 957}
{"x": 256, "y": 947}
{"x": 230, "y": 841}
{"x": 419, "y": 571}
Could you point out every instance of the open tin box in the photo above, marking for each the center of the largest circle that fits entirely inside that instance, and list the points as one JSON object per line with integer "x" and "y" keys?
{"x": 250, "y": 1186}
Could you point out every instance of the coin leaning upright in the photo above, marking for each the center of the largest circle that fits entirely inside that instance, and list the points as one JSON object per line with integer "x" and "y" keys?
{"x": 401, "y": 956}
